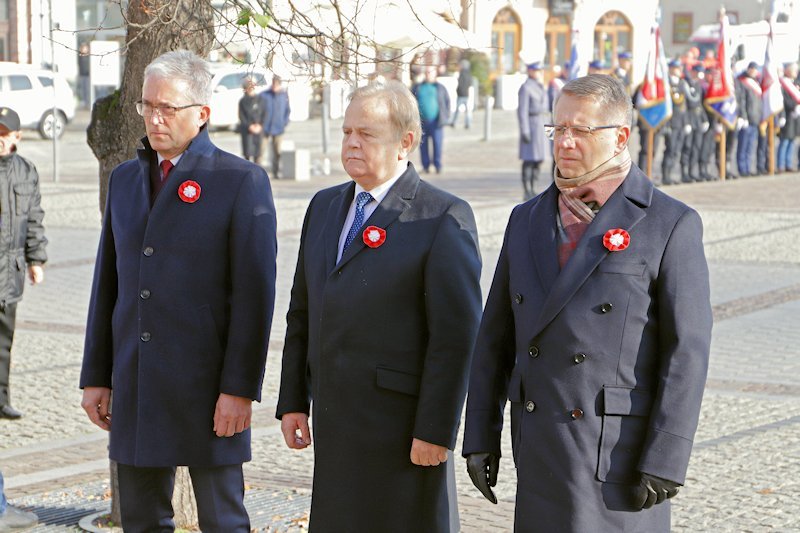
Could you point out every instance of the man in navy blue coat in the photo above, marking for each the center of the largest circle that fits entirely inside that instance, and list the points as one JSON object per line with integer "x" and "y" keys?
{"x": 384, "y": 312}
{"x": 597, "y": 329}
{"x": 181, "y": 307}
{"x": 276, "y": 118}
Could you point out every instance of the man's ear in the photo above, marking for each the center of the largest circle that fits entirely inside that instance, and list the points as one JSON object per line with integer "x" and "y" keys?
{"x": 623, "y": 136}
{"x": 406, "y": 142}
{"x": 205, "y": 114}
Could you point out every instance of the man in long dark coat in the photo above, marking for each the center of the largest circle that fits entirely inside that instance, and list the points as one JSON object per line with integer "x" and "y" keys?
{"x": 533, "y": 111}
{"x": 597, "y": 329}
{"x": 383, "y": 315}
{"x": 181, "y": 307}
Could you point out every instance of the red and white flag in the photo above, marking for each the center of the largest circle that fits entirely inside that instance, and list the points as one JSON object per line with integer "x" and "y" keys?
{"x": 771, "y": 95}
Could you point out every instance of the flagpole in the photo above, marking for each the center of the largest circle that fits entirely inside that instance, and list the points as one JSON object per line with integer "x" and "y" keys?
{"x": 723, "y": 157}
{"x": 771, "y": 144}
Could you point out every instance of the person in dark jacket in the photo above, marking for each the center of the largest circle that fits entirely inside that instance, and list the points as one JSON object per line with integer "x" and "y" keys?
{"x": 277, "y": 112}
{"x": 252, "y": 114}
{"x": 678, "y": 127}
{"x": 748, "y": 102}
{"x": 23, "y": 241}
{"x": 434, "y": 110}
{"x": 597, "y": 329}
{"x": 463, "y": 90}
{"x": 180, "y": 308}
{"x": 383, "y": 315}
{"x": 698, "y": 118}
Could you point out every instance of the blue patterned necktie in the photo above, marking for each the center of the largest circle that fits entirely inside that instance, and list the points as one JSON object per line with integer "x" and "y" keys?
{"x": 362, "y": 199}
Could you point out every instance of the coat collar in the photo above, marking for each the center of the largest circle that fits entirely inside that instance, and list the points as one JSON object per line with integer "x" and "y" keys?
{"x": 624, "y": 209}
{"x": 396, "y": 201}
{"x": 200, "y": 146}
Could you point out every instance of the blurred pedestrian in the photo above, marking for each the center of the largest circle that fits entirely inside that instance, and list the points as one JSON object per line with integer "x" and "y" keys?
{"x": 277, "y": 109}
{"x": 678, "y": 126}
{"x": 533, "y": 112}
{"x": 698, "y": 118}
{"x": 180, "y": 308}
{"x": 597, "y": 329}
{"x": 252, "y": 114}
{"x": 790, "y": 126}
{"x": 748, "y": 102}
{"x": 434, "y": 110}
{"x": 623, "y": 70}
{"x": 463, "y": 91}
{"x": 13, "y": 518}
{"x": 23, "y": 242}
{"x": 383, "y": 315}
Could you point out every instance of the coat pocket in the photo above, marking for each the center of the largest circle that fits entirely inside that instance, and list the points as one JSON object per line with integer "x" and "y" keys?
{"x": 397, "y": 380}
{"x": 631, "y": 268}
{"x": 625, "y": 416}
{"x": 23, "y": 193}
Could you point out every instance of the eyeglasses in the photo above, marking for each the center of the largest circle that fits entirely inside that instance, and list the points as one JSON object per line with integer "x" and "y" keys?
{"x": 164, "y": 111}
{"x": 556, "y": 131}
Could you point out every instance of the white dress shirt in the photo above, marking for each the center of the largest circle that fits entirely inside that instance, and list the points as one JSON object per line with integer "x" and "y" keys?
{"x": 378, "y": 194}
{"x": 174, "y": 162}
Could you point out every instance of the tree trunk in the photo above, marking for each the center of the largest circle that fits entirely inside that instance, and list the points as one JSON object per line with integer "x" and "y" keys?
{"x": 154, "y": 27}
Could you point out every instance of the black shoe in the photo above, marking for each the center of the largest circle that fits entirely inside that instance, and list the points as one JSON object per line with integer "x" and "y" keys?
{"x": 6, "y": 411}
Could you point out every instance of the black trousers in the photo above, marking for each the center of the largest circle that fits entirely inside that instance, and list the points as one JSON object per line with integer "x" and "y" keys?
{"x": 251, "y": 146}
{"x": 8, "y": 320}
{"x": 146, "y": 499}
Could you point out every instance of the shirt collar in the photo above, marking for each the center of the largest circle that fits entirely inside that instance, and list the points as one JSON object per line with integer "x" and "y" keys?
{"x": 379, "y": 192}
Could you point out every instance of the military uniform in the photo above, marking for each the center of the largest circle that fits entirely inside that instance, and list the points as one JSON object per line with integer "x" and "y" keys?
{"x": 693, "y": 144}
{"x": 676, "y": 131}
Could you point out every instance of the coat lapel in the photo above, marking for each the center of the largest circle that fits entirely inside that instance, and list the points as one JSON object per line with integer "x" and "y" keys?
{"x": 337, "y": 213}
{"x": 626, "y": 207}
{"x": 543, "y": 239}
{"x": 396, "y": 201}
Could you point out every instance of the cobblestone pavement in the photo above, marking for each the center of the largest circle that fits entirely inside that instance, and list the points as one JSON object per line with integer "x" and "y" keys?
{"x": 745, "y": 469}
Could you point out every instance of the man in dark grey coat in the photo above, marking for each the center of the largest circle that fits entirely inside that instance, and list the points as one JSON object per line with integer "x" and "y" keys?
{"x": 23, "y": 242}
{"x": 384, "y": 311}
{"x": 597, "y": 329}
{"x": 533, "y": 111}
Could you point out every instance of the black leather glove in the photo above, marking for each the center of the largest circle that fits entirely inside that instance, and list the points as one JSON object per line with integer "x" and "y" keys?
{"x": 653, "y": 490}
{"x": 526, "y": 139}
{"x": 482, "y": 469}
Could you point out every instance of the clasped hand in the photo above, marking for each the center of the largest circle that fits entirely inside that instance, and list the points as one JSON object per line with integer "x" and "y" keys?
{"x": 653, "y": 490}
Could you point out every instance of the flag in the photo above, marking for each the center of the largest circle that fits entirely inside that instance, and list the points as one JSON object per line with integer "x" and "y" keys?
{"x": 653, "y": 99}
{"x": 575, "y": 70}
{"x": 771, "y": 95}
{"x": 720, "y": 98}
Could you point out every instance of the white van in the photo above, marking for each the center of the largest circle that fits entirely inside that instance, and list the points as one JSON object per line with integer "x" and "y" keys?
{"x": 748, "y": 42}
{"x": 41, "y": 103}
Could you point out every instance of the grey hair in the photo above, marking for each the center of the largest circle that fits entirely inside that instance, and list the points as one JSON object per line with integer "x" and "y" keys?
{"x": 403, "y": 108}
{"x": 606, "y": 90}
{"x": 186, "y": 66}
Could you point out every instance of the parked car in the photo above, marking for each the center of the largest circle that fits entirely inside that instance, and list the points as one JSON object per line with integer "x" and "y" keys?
{"x": 226, "y": 87}
{"x": 30, "y": 92}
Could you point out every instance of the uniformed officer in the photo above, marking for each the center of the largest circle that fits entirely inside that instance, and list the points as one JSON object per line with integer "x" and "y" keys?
{"x": 748, "y": 101}
{"x": 678, "y": 127}
{"x": 532, "y": 113}
{"x": 693, "y": 145}
{"x": 623, "y": 70}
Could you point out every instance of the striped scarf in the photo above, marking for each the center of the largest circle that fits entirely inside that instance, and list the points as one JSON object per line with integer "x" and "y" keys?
{"x": 582, "y": 197}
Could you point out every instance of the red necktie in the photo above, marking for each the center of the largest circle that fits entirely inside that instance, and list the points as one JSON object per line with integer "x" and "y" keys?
{"x": 166, "y": 166}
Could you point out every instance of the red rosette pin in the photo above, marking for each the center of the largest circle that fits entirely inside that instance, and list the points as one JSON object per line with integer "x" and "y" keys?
{"x": 189, "y": 191}
{"x": 374, "y": 236}
{"x": 616, "y": 240}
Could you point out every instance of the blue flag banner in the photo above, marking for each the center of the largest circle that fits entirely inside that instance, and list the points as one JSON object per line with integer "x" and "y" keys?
{"x": 653, "y": 100}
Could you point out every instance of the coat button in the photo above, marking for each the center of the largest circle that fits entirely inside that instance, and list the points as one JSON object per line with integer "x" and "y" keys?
{"x": 518, "y": 298}
{"x": 606, "y": 307}
{"x": 530, "y": 406}
{"x": 144, "y": 294}
{"x": 579, "y": 358}
{"x": 145, "y": 336}
{"x": 148, "y": 251}
{"x": 533, "y": 351}
{"x": 576, "y": 414}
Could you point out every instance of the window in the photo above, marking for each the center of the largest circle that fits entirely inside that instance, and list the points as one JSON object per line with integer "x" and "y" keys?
{"x": 506, "y": 37}
{"x": 19, "y": 83}
{"x": 682, "y": 26}
{"x": 612, "y": 35}
{"x": 45, "y": 81}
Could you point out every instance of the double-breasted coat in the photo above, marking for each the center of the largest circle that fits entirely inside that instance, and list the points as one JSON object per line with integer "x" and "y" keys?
{"x": 379, "y": 346}
{"x": 533, "y": 112}
{"x": 181, "y": 305}
{"x": 604, "y": 362}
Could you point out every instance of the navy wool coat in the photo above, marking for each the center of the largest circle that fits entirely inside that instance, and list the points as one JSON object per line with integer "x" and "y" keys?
{"x": 380, "y": 344}
{"x": 181, "y": 305}
{"x": 604, "y": 362}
